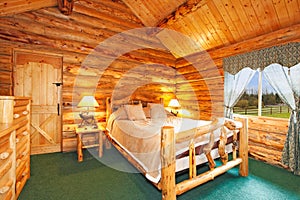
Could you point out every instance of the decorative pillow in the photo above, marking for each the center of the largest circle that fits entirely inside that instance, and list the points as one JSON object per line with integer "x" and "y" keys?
{"x": 135, "y": 112}
{"x": 157, "y": 111}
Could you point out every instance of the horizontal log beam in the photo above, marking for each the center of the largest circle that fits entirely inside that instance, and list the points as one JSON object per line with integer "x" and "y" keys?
{"x": 196, "y": 132}
{"x": 183, "y": 10}
{"x": 111, "y": 8}
{"x": 83, "y": 9}
{"x": 11, "y": 7}
{"x": 65, "y": 6}
{"x": 205, "y": 177}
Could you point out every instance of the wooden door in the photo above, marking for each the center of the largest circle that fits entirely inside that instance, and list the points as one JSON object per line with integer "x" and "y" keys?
{"x": 39, "y": 76}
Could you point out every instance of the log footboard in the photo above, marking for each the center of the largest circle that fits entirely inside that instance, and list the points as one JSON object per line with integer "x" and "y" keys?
{"x": 168, "y": 184}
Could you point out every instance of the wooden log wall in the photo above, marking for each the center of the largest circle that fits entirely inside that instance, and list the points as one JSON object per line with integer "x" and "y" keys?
{"x": 266, "y": 138}
{"x": 74, "y": 37}
{"x": 5, "y": 70}
{"x": 199, "y": 87}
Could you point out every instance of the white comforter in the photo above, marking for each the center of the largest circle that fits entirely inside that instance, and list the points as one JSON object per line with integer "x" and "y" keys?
{"x": 142, "y": 139}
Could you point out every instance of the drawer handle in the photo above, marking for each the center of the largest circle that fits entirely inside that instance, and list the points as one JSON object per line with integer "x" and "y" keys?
{"x": 4, "y": 189}
{"x": 24, "y": 173}
{"x": 4, "y": 155}
{"x": 25, "y": 112}
{"x": 25, "y": 133}
{"x": 16, "y": 116}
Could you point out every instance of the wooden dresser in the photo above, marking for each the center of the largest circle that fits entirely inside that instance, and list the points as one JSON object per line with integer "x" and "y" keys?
{"x": 14, "y": 145}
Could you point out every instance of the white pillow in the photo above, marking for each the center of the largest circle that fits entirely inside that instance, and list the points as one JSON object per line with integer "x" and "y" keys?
{"x": 157, "y": 111}
{"x": 135, "y": 112}
{"x": 121, "y": 113}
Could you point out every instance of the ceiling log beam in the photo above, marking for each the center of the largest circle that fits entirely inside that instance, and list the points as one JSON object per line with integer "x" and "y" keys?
{"x": 65, "y": 6}
{"x": 188, "y": 7}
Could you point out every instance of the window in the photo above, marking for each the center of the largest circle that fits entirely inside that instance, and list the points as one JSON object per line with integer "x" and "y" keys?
{"x": 270, "y": 104}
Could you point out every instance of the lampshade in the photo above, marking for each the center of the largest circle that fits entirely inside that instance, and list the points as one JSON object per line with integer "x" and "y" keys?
{"x": 174, "y": 103}
{"x": 88, "y": 101}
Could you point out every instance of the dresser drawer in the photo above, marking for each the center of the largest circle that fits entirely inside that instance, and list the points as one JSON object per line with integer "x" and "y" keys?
{"x": 5, "y": 150}
{"x": 7, "y": 178}
{"x": 22, "y": 168}
{"x": 8, "y": 195}
{"x": 21, "y": 134}
{"x": 6, "y": 190}
{"x": 4, "y": 142}
{"x": 21, "y": 102}
{"x": 21, "y": 110}
{"x": 22, "y": 150}
{"x": 20, "y": 183}
{"x": 5, "y": 156}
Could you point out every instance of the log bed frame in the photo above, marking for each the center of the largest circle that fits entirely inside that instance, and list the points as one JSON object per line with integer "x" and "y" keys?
{"x": 167, "y": 183}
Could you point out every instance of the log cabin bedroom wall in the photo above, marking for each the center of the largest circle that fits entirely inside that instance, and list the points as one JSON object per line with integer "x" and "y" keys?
{"x": 42, "y": 28}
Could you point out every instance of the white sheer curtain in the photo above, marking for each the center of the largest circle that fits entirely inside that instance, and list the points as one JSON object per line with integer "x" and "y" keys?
{"x": 286, "y": 82}
{"x": 234, "y": 87}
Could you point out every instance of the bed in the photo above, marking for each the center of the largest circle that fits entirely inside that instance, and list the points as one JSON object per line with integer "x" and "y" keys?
{"x": 160, "y": 144}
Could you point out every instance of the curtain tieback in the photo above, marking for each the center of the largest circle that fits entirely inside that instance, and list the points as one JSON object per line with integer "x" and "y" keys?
{"x": 295, "y": 116}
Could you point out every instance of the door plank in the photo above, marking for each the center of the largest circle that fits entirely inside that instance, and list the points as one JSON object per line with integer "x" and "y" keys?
{"x": 44, "y": 123}
{"x": 43, "y": 109}
{"x": 18, "y": 83}
{"x": 43, "y": 133}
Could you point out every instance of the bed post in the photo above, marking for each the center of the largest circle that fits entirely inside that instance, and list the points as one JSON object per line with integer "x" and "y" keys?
{"x": 108, "y": 108}
{"x": 243, "y": 147}
{"x": 161, "y": 101}
{"x": 168, "y": 163}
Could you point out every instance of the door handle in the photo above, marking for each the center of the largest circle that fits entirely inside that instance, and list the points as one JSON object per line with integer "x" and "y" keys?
{"x": 58, "y": 109}
{"x": 58, "y": 97}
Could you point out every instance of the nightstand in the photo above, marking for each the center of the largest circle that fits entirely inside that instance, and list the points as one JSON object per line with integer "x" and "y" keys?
{"x": 88, "y": 137}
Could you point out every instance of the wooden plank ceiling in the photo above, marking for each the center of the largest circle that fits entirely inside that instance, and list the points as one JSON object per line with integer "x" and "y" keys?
{"x": 197, "y": 24}
{"x": 211, "y": 24}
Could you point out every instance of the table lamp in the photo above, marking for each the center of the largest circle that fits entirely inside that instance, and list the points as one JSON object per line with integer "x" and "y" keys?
{"x": 174, "y": 104}
{"x": 88, "y": 119}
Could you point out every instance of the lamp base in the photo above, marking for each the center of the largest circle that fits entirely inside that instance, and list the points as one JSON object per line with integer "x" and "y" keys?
{"x": 87, "y": 120}
{"x": 174, "y": 113}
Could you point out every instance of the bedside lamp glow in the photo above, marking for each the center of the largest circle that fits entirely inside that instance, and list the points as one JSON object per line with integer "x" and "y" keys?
{"x": 88, "y": 101}
{"x": 174, "y": 104}
{"x": 87, "y": 119}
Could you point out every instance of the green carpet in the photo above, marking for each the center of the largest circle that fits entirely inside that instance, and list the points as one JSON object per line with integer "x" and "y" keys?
{"x": 59, "y": 176}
